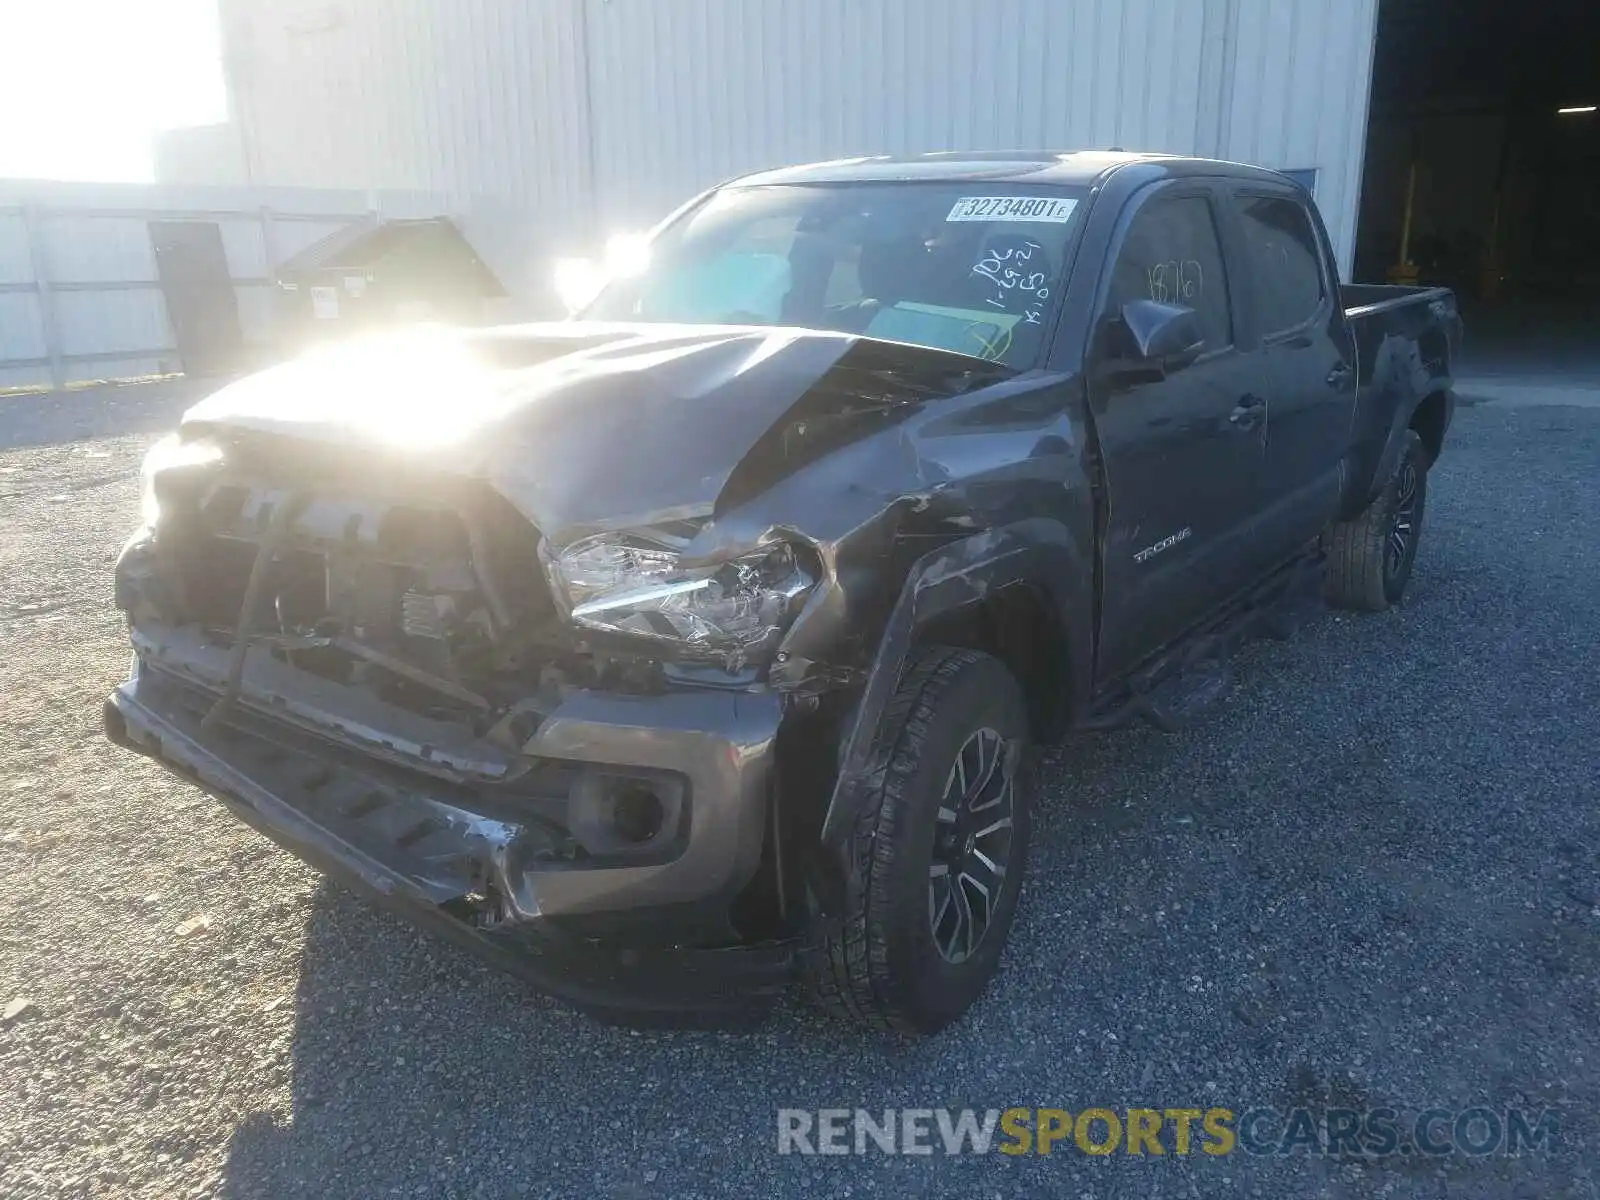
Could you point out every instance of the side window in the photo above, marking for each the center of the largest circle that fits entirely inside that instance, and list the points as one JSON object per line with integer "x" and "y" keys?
{"x": 1172, "y": 255}
{"x": 1285, "y": 262}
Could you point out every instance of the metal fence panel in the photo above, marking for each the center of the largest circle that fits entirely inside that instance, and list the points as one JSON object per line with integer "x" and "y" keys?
{"x": 88, "y": 248}
{"x": 112, "y": 322}
{"x": 15, "y": 264}
{"x": 80, "y": 297}
{"x": 21, "y": 335}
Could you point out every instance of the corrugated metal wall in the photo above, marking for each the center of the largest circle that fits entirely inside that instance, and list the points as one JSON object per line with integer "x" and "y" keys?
{"x": 549, "y": 122}
{"x": 698, "y": 89}
{"x": 1297, "y": 77}
{"x": 466, "y": 98}
{"x": 477, "y": 100}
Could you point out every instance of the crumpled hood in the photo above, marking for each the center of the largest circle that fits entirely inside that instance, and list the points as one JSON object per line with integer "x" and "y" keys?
{"x": 580, "y": 425}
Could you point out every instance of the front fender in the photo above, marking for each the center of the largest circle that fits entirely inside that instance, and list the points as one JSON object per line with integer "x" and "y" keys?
{"x": 1035, "y": 553}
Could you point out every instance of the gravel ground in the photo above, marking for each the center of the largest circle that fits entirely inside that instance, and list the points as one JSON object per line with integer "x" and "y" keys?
{"x": 1371, "y": 877}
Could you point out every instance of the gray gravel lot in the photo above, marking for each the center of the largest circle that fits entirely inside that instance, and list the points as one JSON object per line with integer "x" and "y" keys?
{"x": 1372, "y": 877}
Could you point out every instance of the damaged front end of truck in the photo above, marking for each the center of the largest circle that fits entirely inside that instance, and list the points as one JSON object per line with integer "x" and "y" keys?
{"x": 534, "y": 635}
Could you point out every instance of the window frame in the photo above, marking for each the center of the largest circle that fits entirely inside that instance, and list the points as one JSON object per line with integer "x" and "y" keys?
{"x": 1190, "y": 187}
{"x": 1260, "y": 334}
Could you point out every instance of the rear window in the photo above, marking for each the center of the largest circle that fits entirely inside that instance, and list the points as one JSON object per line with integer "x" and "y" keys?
{"x": 1286, "y": 264}
{"x": 975, "y": 269}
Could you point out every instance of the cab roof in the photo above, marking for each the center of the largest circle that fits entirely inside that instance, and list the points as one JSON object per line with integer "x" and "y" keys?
{"x": 1072, "y": 167}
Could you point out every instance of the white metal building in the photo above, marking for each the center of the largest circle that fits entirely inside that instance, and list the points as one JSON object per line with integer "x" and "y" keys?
{"x": 548, "y": 123}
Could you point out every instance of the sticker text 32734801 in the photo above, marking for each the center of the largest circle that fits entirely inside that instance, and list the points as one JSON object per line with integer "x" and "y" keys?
{"x": 1012, "y": 208}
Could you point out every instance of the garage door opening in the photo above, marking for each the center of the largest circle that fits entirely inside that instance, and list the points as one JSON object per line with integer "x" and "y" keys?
{"x": 1482, "y": 173}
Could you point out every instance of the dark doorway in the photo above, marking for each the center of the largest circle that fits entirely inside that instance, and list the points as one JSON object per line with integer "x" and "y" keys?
{"x": 193, "y": 267}
{"x": 1467, "y": 121}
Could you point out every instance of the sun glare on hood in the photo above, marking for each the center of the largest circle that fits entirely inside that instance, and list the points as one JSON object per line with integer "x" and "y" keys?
{"x": 415, "y": 390}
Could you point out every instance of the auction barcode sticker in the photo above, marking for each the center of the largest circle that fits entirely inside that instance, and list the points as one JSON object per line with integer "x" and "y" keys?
{"x": 1012, "y": 208}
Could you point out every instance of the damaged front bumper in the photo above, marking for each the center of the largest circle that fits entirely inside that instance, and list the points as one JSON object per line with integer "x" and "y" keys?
{"x": 458, "y": 838}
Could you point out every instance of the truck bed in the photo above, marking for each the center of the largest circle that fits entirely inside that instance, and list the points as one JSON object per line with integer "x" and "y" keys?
{"x": 1381, "y": 314}
{"x": 1407, "y": 339}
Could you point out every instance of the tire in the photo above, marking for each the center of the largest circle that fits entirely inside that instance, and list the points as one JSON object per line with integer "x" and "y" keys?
{"x": 1370, "y": 557}
{"x": 899, "y": 963}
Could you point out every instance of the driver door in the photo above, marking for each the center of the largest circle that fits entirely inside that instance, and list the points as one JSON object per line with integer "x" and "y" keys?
{"x": 1182, "y": 445}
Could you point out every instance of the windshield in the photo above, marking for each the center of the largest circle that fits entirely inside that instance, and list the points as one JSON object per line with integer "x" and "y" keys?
{"x": 963, "y": 267}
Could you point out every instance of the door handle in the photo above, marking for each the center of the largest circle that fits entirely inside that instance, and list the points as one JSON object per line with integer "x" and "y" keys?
{"x": 1339, "y": 374}
{"x": 1248, "y": 412}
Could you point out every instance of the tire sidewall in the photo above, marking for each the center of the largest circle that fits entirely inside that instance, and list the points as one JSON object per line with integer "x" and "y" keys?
{"x": 935, "y": 991}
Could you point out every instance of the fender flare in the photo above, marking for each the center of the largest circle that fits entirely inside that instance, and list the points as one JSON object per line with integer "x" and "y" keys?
{"x": 1394, "y": 444}
{"x": 1036, "y": 553}
{"x": 1399, "y": 370}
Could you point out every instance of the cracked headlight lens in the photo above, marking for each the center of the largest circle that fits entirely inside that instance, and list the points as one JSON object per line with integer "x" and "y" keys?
{"x": 631, "y": 585}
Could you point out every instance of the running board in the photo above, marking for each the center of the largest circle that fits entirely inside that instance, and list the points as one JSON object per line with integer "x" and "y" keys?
{"x": 1194, "y": 677}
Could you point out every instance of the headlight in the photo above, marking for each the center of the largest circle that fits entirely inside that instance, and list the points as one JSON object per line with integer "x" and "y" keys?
{"x": 169, "y": 454}
{"x": 632, "y": 585}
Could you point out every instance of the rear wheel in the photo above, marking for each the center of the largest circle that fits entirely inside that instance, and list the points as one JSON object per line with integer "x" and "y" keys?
{"x": 942, "y": 845}
{"x": 1370, "y": 557}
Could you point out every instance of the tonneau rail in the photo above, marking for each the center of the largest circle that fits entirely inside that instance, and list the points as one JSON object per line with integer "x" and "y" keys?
{"x": 1360, "y": 299}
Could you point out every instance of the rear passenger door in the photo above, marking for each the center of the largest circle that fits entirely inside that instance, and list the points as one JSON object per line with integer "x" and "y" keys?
{"x": 1309, "y": 362}
{"x": 1182, "y": 448}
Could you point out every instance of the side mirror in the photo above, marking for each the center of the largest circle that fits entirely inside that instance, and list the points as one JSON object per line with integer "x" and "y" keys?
{"x": 1163, "y": 336}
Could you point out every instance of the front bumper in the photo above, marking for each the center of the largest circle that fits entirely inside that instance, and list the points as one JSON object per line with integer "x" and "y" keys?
{"x": 466, "y": 862}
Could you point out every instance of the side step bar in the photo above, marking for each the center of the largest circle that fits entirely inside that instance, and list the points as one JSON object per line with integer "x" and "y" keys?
{"x": 1193, "y": 676}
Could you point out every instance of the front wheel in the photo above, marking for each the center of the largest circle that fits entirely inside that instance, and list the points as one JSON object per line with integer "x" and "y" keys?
{"x": 1370, "y": 557}
{"x": 942, "y": 844}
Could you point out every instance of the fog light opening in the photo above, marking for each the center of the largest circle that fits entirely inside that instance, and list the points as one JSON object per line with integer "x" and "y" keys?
{"x": 628, "y": 816}
{"x": 637, "y": 813}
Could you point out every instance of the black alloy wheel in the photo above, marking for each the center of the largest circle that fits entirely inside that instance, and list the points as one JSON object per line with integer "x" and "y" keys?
{"x": 971, "y": 846}
{"x": 1403, "y": 527}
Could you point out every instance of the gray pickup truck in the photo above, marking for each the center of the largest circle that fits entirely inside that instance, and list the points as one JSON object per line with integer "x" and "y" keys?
{"x": 674, "y": 652}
